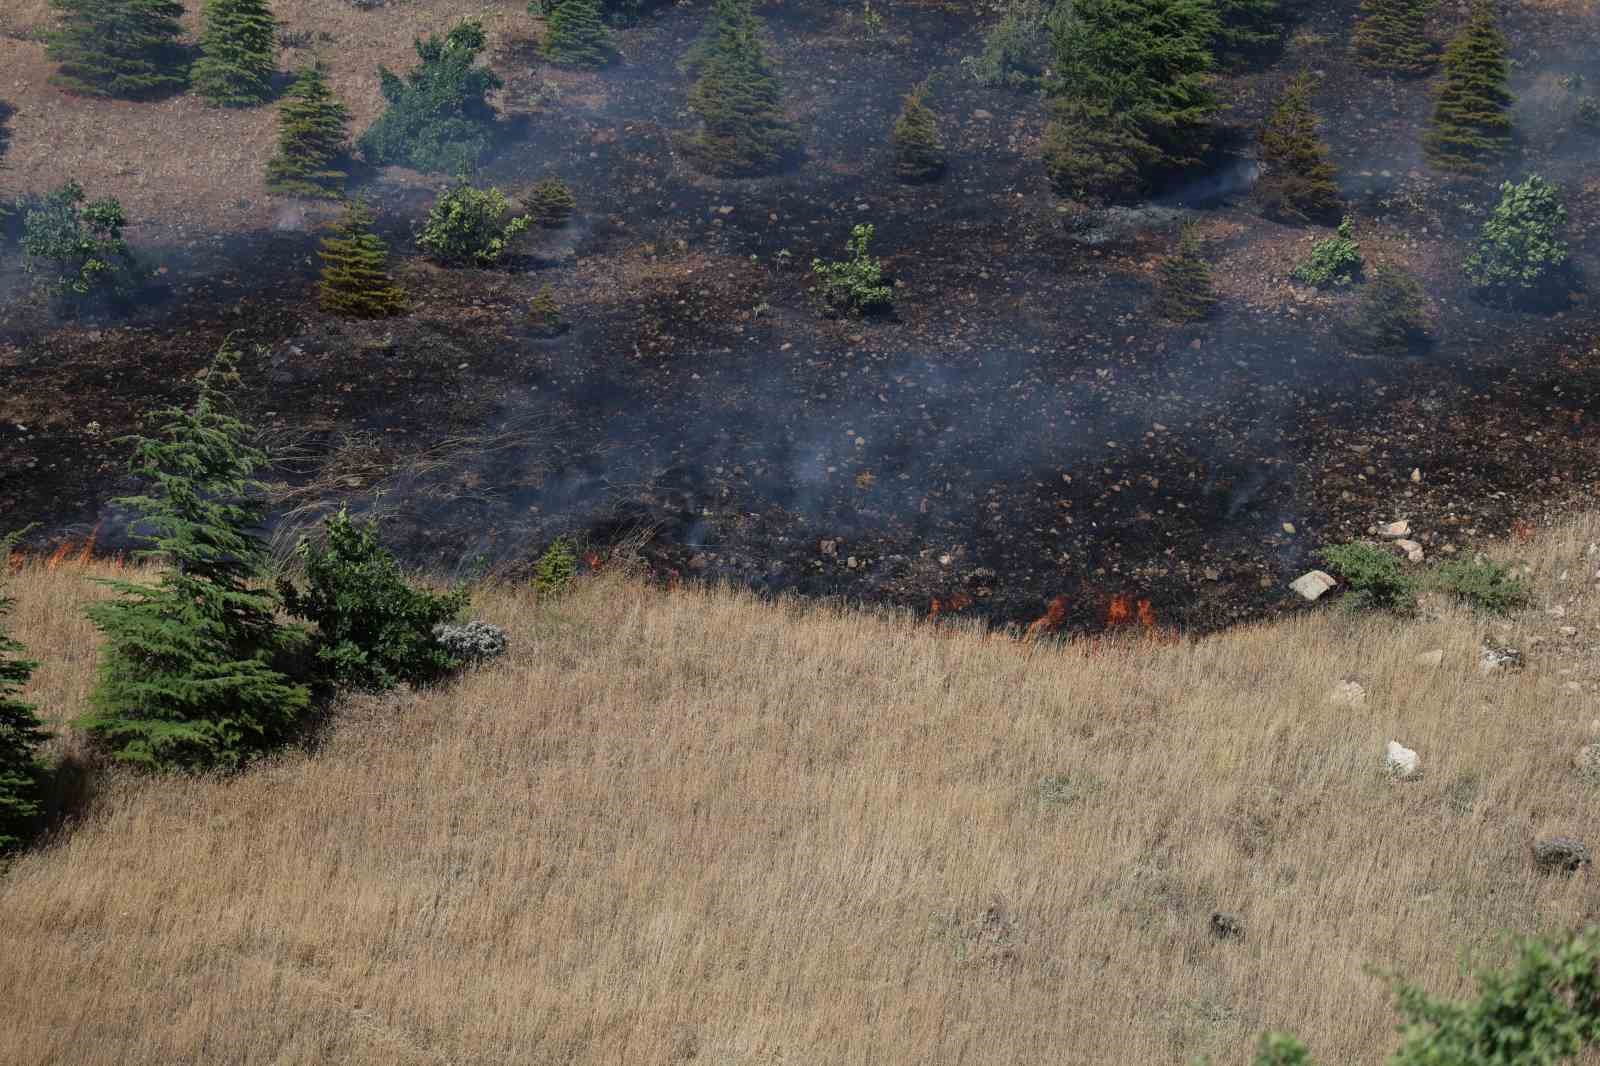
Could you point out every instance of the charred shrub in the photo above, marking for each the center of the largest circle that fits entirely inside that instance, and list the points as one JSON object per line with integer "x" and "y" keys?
{"x": 1392, "y": 317}
{"x": 1521, "y": 252}
{"x": 1334, "y": 261}
{"x": 1482, "y": 585}
{"x": 74, "y": 245}
{"x": 374, "y": 630}
{"x": 1374, "y": 577}
{"x": 469, "y": 226}
{"x": 854, "y": 285}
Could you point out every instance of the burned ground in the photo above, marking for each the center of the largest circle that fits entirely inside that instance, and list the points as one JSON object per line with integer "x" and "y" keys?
{"x": 1019, "y": 429}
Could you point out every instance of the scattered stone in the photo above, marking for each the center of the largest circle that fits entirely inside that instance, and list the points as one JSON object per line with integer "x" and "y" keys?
{"x": 1348, "y": 694}
{"x": 1416, "y": 475}
{"x": 1569, "y": 631}
{"x": 1401, "y": 761}
{"x": 1412, "y": 549}
{"x": 1432, "y": 658}
{"x": 1395, "y": 530}
{"x": 1566, "y": 854}
{"x": 1587, "y": 762}
{"x": 830, "y": 548}
{"x": 1499, "y": 657}
{"x": 1310, "y": 586}
{"x": 982, "y": 116}
{"x": 1225, "y": 926}
{"x": 1557, "y": 611}
{"x": 1288, "y": 527}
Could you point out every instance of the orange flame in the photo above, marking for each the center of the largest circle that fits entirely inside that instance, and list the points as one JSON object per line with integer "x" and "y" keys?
{"x": 959, "y": 602}
{"x": 1521, "y": 530}
{"x": 1054, "y": 617}
{"x": 593, "y": 560}
{"x": 1124, "y": 610}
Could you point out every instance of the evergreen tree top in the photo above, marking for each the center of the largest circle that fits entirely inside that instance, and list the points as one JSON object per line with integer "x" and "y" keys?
{"x": 118, "y": 48}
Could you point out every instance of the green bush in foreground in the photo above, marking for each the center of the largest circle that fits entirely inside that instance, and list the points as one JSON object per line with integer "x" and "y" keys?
{"x": 1334, "y": 261}
{"x": 1521, "y": 250}
{"x": 21, "y": 733}
{"x": 856, "y": 284}
{"x": 468, "y": 225}
{"x": 187, "y": 671}
{"x": 1374, "y": 577}
{"x": 1481, "y": 584}
{"x": 374, "y": 630}
{"x": 75, "y": 244}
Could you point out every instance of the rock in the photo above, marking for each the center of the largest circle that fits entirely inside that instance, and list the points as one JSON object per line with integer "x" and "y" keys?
{"x": 1587, "y": 762}
{"x": 1412, "y": 549}
{"x": 1432, "y": 658}
{"x": 1395, "y": 530}
{"x": 1401, "y": 761}
{"x": 982, "y": 116}
{"x": 1416, "y": 475}
{"x": 1225, "y": 926}
{"x": 1498, "y": 657}
{"x": 1569, "y": 631}
{"x": 1310, "y": 585}
{"x": 1566, "y": 854}
{"x": 1348, "y": 694}
{"x": 829, "y": 548}
{"x": 1288, "y": 527}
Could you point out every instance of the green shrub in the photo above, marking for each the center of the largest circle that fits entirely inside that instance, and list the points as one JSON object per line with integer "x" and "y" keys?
{"x": 856, "y": 284}
{"x": 313, "y": 132}
{"x": 550, "y": 203}
{"x": 1184, "y": 292}
{"x": 1016, "y": 50}
{"x": 374, "y": 630}
{"x": 468, "y": 225}
{"x": 1373, "y": 576}
{"x": 127, "y": 49}
{"x": 555, "y": 568}
{"x": 1392, "y": 316}
{"x": 1521, "y": 251}
{"x": 238, "y": 53}
{"x": 21, "y": 733}
{"x": 188, "y": 669}
{"x": 1334, "y": 261}
{"x": 438, "y": 118}
{"x": 75, "y": 245}
{"x": 1482, "y": 585}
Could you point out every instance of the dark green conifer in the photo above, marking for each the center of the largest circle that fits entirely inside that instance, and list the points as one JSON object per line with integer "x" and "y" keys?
{"x": 919, "y": 154}
{"x": 21, "y": 732}
{"x": 1392, "y": 317}
{"x": 544, "y": 314}
{"x": 1299, "y": 182}
{"x": 1091, "y": 153}
{"x": 1391, "y": 36}
{"x": 550, "y": 203}
{"x": 238, "y": 53}
{"x": 121, "y": 48}
{"x": 1472, "y": 113}
{"x": 1184, "y": 292}
{"x": 1248, "y": 26}
{"x": 355, "y": 278}
{"x": 439, "y": 117}
{"x": 313, "y": 132}
{"x": 575, "y": 35}
{"x": 187, "y": 671}
{"x": 743, "y": 128}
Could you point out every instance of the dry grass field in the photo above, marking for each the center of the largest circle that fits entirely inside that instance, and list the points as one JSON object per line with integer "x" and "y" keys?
{"x": 689, "y": 825}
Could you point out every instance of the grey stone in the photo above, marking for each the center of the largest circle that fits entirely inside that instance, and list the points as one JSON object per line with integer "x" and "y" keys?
{"x": 1566, "y": 854}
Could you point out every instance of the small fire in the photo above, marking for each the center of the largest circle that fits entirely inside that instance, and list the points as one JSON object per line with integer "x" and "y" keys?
{"x": 959, "y": 602}
{"x": 1124, "y": 610}
{"x": 1054, "y": 617}
{"x": 593, "y": 561}
{"x": 68, "y": 553}
{"x": 1521, "y": 530}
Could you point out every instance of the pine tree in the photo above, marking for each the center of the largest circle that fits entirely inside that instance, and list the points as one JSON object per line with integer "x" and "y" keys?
{"x": 1390, "y": 36}
{"x": 313, "y": 132}
{"x": 1184, "y": 292}
{"x": 550, "y": 203}
{"x": 355, "y": 279}
{"x": 1300, "y": 181}
{"x": 575, "y": 35}
{"x": 1248, "y": 26}
{"x": 1091, "y": 153}
{"x": 21, "y": 733}
{"x": 919, "y": 154}
{"x": 187, "y": 672}
{"x": 1471, "y": 115}
{"x": 439, "y": 117}
{"x": 119, "y": 48}
{"x": 737, "y": 97}
{"x": 238, "y": 53}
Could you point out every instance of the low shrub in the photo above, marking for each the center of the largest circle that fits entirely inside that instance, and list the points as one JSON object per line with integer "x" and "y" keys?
{"x": 1016, "y": 50}
{"x": 374, "y": 629}
{"x": 439, "y": 117}
{"x": 471, "y": 643}
{"x": 1481, "y": 584}
{"x": 854, "y": 285}
{"x": 1334, "y": 261}
{"x": 469, "y": 226}
{"x": 1374, "y": 577}
{"x": 74, "y": 245}
{"x": 550, "y": 203}
{"x": 555, "y": 569}
{"x": 1393, "y": 314}
{"x": 1521, "y": 252}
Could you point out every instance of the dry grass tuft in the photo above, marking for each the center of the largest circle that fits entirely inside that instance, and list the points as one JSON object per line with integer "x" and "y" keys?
{"x": 693, "y": 825}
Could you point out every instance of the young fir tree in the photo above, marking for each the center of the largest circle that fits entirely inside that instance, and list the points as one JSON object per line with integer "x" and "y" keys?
{"x": 439, "y": 117}
{"x": 238, "y": 53}
{"x": 355, "y": 278}
{"x": 743, "y": 128}
{"x": 550, "y": 203}
{"x": 1471, "y": 115}
{"x": 187, "y": 672}
{"x": 1248, "y": 27}
{"x": 120, "y": 48}
{"x": 1184, "y": 292}
{"x": 21, "y": 733}
{"x": 313, "y": 132}
{"x": 575, "y": 36}
{"x": 1390, "y": 36}
{"x": 919, "y": 154}
{"x": 1300, "y": 176}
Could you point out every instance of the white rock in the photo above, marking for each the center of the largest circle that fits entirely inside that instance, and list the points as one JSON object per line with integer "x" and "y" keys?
{"x": 1416, "y": 474}
{"x": 1401, "y": 761}
{"x": 1412, "y": 549}
{"x": 1313, "y": 584}
{"x": 1348, "y": 694}
{"x": 1431, "y": 658}
{"x": 1401, "y": 528}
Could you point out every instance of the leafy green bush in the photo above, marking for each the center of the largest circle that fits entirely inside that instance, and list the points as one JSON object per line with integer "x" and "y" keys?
{"x": 75, "y": 244}
{"x": 21, "y": 734}
{"x": 1392, "y": 316}
{"x": 188, "y": 670}
{"x": 855, "y": 284}
{"x": 438, "y": 118}
{"x": 468, "y": 225}
{"x": 1016, "y": 50}
{"x": 1521, "y": 251}
{"x": 555, "y": 569}
{"x": 1334, "y": 261}
{"x": 1374, "y": 577}
{"x": 1481, "y": 584}
{"x": 374, "y": 630}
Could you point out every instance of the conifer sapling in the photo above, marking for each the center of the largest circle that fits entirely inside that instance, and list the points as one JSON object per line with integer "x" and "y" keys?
{"x": 1471, "y": 114}
{"x": 743, "y": 129}
{"x": 1391, "y": 37}
{"x": 355, "y": 278}
{"x": 238, "y": 53}
{"x": 21, "y": 731}
{"x": 919, "y": 154}
{"x": 575, "y": 35}
{"x": 120, "y": 48}
{"x": 313, "y": 132}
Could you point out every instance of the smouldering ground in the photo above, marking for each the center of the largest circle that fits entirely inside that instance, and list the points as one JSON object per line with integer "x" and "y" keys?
{"x": 690, "y": 825}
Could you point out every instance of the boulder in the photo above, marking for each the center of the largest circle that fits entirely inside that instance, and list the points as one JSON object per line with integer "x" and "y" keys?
{"x": 1497, "y": 658}
{"x": 1401, "y": 761}
{"x": 1312, "y": 585}
{"x": 1560, "y": 854}
{"x": 1395, "y": 530}
{"x": 1412, "y": 550}
{"x": 1348, "y": 694}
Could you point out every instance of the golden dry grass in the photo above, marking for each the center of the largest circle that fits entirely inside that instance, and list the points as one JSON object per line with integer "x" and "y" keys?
{"x": 691, "y": 825}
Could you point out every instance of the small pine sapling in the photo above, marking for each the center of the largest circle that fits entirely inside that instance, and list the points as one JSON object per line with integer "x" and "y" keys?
{"x": 355, "y": 278}
{"x": 575, "y": 35}
{"x": 127, "y": 49}
{"x": 556, "y": 568}
{"x": 439, "y": 117}
{"x": 1392, "y": 317}
{"x": 313, "y": 133}
{"x": 743, "y": 129}
{"x": 1300, "y": 182}
{"x": 22, "y": 734}
{"x": 1391, "y": 38}
{"x": 1184, "y": 291}
{"x": 544, "y": 314}
{"x": 238, "y": 53}
{"x": 550, "y": 203}
{"x": 1472, "y": 111}
{"x": 919, "y": 154}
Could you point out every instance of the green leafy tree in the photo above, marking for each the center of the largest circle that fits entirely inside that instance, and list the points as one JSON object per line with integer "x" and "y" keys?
{"x": 1334, "y": 260}
{"x": 21, "y": 732}
{"x": 374, "y": 629}
{"x": 1374, "y": 577}
{"x": 1184, "y": 291}
{"x": 1472, "y": 112}
{"x": 575, "y": 35}
{"x": 439, "y": 117}
{"x": 1391, "y": 37}
{"x": 238, "y": 53}
{"x": 919, "y": 153}
{"x": 1132, "y": 83}
{"x": 313, "y": 133}
{"x": 468, "y": 225}
{"x": 743, "y": 129}
{"x": 1300, "y": 181}
{"x": 856, "y": 284}
{"x": 75, "y": 245}
{"x": 188, "y": 675}
{"x": 1521, "y": 251}
{"x": 121, "y": 48}
{"x": 355, "y": 270}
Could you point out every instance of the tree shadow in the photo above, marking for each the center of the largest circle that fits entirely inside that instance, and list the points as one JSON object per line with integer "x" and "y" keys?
{"x": 6, "y": 111}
